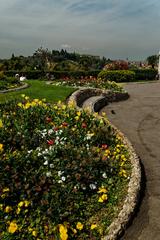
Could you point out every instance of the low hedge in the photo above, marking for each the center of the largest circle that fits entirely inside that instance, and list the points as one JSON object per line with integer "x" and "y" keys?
{"x": 117, "y": 75}
{"x": 145, "y": 74}
{"x": 57, "y": 74}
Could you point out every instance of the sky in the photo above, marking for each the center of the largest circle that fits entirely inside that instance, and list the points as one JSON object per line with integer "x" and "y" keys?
{"x": 116, "y": 29}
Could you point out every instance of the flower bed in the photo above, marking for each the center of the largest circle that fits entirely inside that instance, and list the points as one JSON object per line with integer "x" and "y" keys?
{"x": 90, "y": 82}
{"x": 9, "y": 83}
{"x": 64, "y": 172}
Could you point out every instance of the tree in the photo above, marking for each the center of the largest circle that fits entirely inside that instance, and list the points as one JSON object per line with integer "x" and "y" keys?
{"x": 152, "y": 60}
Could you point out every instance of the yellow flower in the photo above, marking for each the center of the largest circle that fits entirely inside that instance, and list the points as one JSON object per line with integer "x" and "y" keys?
{"x": 103, "y": 114}
{"x": 71, "y": 104}
{"x": 77, "y": 118}
{"x": 79, "y": 113}
{"x": 12, "y": 227}
{"x": 18, "y": 210}
{"x": 26, "y": 203}
{"x": 30, "y": 229}
{"x": 123, "y": 173}
{"x": 63, "y": 232}
{"x": 79, "y": 226}
{"x": 34, "y": 233}
{"x": 93, "y": 226}
{"x": 20, "y": 204}
{"x": 74, "y": 230}
{"x": 23, "y": 95}
{"x": 1, "y": 147}
{"x": 63, "y": 107}
{"x": 26, "y": 98}
{"x": 102, "y": 190}
{"x": 1, "y": 124}
{"x": 8, "y": 209}
{"x": 103, "y": 198}
{"x": 5, "y": 190}
{"x": 20, "y": 105}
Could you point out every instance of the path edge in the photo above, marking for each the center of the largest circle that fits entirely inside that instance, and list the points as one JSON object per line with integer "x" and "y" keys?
{"x": 25, "y": 85}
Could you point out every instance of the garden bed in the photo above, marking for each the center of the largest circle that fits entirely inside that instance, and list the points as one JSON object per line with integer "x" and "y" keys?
{"x": 92, "y": 82}
{"x": 15, "y": 87}
{"x": 64, "y": 172}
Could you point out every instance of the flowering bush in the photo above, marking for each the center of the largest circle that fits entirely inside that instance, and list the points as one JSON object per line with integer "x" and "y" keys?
{"x": 8, "y": 82}
{"x": 90, "y": 82}
{"x": 64, "y": 173}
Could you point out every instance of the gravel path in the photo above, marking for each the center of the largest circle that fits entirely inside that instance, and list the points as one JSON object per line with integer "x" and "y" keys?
{"x": 139, "y": 119}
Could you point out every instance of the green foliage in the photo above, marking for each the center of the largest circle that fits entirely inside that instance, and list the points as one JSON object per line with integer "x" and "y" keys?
{"x": 8, "y": 82}
{"x": 45, "y": 60}
{"x": 64, "y": 173}
{"x": 2, "y": 75}
{"x": 145, "y": 74}
{"x": 90, "y": 82}
{"x": 39, "y": 89}
{"x": 117, "y": 75}
{"x": 152, "y": 60}
{"x": 37, "y": 74}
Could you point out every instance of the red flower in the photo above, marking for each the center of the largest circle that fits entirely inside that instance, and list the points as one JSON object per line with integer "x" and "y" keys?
{"x": 56, "y": 129}
{"x": 64, "y": 124}
{"x": 50, "y": 142}
{"x": 84, "y": 125}
{"x": 104, "y": 146}
{"x": 48, "y": 119}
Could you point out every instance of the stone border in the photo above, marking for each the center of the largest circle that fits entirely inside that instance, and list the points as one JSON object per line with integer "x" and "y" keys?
{"x": 25, "y": 85}
{"x": 126, "y": 213}
{"x": 79, "y": 96}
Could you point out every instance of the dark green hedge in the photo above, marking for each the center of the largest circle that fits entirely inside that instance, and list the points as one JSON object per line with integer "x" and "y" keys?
{"x": 117, "y": 75}
{"x": 57, "y": 74}
{"x": 145, "y": 74}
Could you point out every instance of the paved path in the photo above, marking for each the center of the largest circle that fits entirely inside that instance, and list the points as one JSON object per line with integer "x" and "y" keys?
{"x": 139, "y": 119}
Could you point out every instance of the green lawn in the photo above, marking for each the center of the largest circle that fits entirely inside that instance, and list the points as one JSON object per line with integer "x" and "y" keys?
{"x": 39, "y": 89}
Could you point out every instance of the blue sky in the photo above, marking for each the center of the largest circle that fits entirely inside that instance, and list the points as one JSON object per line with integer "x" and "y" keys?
{"x": 111, "y": 28}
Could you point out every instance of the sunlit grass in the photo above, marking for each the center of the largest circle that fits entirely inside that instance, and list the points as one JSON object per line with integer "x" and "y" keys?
{"x": 39, "y": 89}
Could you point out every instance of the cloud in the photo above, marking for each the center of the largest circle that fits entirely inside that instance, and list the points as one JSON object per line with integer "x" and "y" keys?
{"x": 103, "y": 27}
{"x": 65, "y": 46}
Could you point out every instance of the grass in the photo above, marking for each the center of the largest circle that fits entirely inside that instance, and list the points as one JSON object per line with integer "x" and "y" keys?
{"x": 39, "y": 89}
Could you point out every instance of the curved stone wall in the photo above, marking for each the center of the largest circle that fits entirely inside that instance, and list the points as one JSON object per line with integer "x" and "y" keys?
{"x": 131, "y": 201}
{"x": 25, "y": 85}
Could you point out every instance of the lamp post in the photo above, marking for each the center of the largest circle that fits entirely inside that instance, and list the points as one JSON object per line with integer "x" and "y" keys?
{"x": 159, "y": 65}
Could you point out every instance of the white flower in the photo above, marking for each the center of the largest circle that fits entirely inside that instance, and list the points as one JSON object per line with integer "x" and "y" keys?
{"x": 30, "y": 151}
{"x": 60, "y": 173}
{"x": 45, "y": 163}
{"x": 48, "y": 174}
{"x": 104, "y": 175}
{"x": 89, "y": 136}
{"x": 50, "y": 131}
{"x": 92, "y": 186}
{"x": 39, "y": 154}
{"x": 51, "y": 165}
{"x": 60, "y": 181}
{"x": 63, "y": 178}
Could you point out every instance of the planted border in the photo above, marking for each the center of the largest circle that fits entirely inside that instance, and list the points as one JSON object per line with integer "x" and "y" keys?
{"x": 25, "y": 85}
{"x": 129, "y": 205}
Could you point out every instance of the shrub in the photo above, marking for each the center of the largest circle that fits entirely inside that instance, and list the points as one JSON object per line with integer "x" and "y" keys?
{"x": 117, "y": 65}
{"x": 57, "y": 74}
{"x": 145, "y": 74}
{"x": 117, "y": 75}
{"x": 8, "y": 82}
